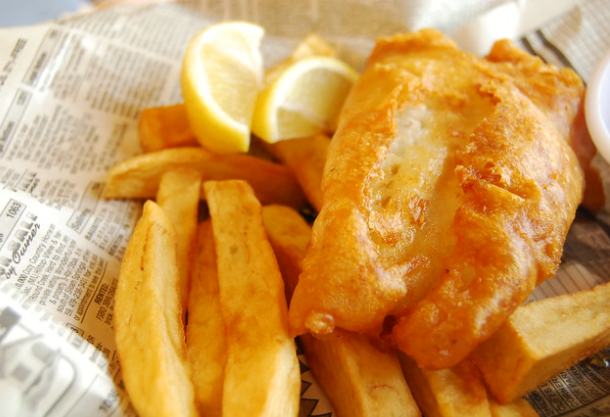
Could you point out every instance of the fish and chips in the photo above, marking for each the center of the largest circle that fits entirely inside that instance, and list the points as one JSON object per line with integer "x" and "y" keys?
{"x": 443, "y": 198}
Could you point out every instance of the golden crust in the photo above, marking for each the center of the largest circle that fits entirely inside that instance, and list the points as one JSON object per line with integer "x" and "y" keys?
{"x": 448, "y": 191}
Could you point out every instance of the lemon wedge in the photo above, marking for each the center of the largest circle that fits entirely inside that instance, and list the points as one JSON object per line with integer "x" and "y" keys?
{"x": 303, "y": 100}
{"x": 222, "y": 74}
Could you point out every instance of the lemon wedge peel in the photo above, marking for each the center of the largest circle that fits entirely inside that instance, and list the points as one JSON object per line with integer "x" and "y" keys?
{"x": 221, "y": 76}
{"x": 305, "y": 109}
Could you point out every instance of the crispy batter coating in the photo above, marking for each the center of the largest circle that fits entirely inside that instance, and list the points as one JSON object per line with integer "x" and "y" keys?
{"x": 448, "y": 192}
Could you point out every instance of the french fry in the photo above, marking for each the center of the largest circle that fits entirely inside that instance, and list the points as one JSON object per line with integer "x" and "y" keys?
{"x": 359, "y": 379}
{"x": 205, "y": 332}
{"x": 165, "y": 127}
{"x": 312, "y": 45}
{"x": 178, "y": 195}
{"x": 262, "y": 375}
{"x": 543, "y": 338}
{"x": 306, "y": 158}
{"x": 289, "y": 236}
{"x": 518, "y": 408}
{"x": 139, "y": 176}
{"x": 148, "y": 321}
{"x": 458, "y": 391}
{"x": 452, "y": 392}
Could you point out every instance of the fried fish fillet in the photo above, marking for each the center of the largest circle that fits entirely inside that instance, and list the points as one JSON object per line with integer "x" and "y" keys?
{"x": 448, "y": 192}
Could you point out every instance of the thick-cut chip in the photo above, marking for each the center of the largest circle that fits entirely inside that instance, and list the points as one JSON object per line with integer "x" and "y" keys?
{"x": 359, "y": 379}
{"x": 148, "y": 321}
{"x": 543, "y": 338}
{"x": 262, "y": 376}
{"x": 178, "y": 195}
{"x": 139, "y": 176}
{"x": 518, "y": 408}
{"x": 312, "y": 45}
{"x": 453, "y": 392}
{"x": 165, "y": 127}
{"x": 289, "y": 235}
{"x": 205, "y": 332}
{"x": 457, "y": 392}
{"x": 306, "y": 158}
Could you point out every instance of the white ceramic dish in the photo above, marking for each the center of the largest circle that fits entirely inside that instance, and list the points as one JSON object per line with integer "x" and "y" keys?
{"x": 597, "y": 107}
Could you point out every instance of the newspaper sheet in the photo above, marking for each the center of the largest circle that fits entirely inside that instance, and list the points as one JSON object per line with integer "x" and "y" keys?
{"x": 70, "y": 96}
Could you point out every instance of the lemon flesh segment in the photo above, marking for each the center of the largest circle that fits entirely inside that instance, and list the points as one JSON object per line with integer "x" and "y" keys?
{"x": 221, "y": 76}
{"x": 304, "y": 100}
